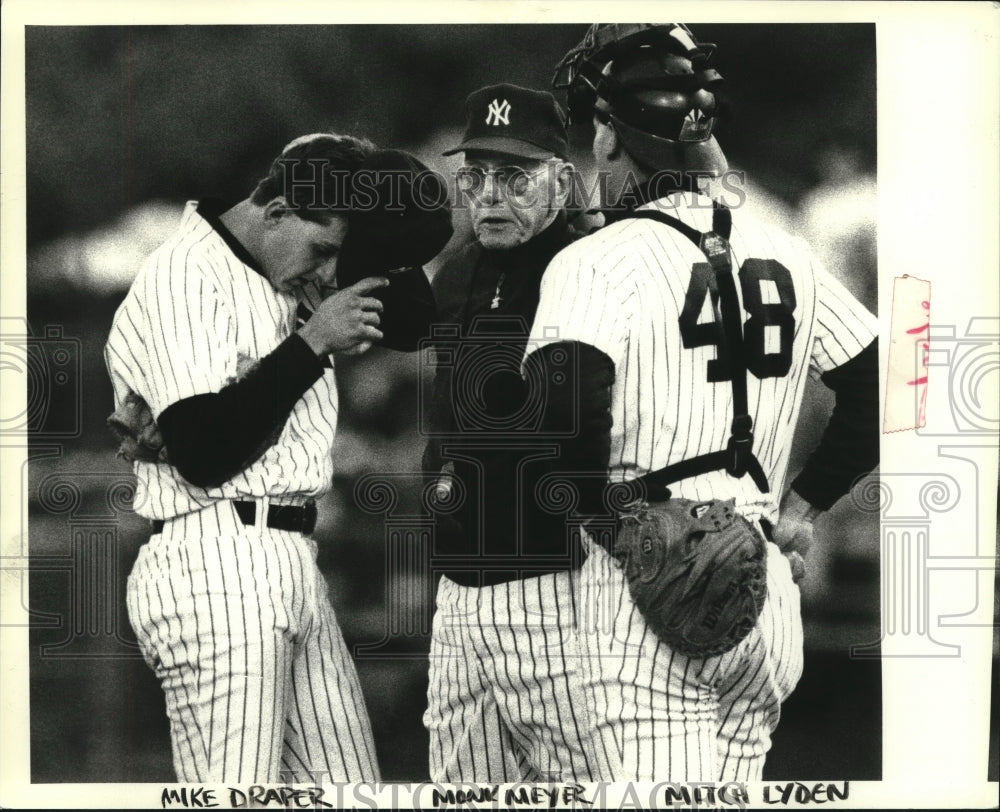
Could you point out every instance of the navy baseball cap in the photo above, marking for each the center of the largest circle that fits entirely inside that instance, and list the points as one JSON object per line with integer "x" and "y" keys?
{"x": 514, "y": 120}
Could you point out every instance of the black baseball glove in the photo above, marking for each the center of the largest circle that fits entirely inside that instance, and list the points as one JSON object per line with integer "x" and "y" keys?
{"x": 138, "y": 435}
{"x": 696, "y": 571}
{"x": 400, "y": 218}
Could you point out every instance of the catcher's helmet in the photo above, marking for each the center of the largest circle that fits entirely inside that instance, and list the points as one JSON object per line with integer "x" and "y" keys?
{"x": 651, "y": 80}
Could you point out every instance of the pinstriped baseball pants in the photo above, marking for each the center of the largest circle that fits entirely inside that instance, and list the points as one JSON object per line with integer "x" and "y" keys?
{"x": 237, "y": 624}
{"x": 505, "y": 701}
{"x": 659, "y": 715}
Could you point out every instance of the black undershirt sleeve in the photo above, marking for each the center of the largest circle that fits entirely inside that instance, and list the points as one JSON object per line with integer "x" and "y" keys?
{"x": 211, "y": 438}
{"x": 850, "y": 444}
{"x": 577, "y": 408}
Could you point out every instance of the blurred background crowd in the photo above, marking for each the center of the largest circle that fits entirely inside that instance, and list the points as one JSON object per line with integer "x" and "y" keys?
{"x": 124, "y": 124}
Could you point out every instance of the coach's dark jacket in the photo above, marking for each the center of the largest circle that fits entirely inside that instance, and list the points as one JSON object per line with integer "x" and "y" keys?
{"x": 484, "y": 416}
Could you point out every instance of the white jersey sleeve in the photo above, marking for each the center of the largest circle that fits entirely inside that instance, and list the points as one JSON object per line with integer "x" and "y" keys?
{"x": 192, "y": 349}
{"x": 580, "y": 301}
{"x": 843, "y": 326}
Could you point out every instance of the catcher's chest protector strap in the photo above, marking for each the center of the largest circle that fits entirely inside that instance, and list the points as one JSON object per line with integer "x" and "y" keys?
{"x": 738, "y": 458}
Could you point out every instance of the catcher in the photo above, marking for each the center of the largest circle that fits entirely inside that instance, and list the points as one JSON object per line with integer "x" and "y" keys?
{"x": 695, "y": 327}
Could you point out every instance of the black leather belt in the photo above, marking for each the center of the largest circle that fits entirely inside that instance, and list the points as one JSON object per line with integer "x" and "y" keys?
{"x": 294, "y": 518}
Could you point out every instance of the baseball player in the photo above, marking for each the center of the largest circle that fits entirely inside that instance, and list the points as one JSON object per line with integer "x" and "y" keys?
{"x": 704, "y": 347}
{"x": 227, "y": 336}
{"x": 504, "y": 698}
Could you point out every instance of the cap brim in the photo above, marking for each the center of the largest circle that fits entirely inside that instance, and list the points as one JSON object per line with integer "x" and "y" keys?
{"x": 508, "y": 146}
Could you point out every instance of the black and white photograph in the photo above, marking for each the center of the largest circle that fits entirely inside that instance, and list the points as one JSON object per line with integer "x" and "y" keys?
{"x": 488, "y": 407}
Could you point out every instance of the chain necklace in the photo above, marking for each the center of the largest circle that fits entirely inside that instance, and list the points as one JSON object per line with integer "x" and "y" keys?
{"x": 497, "y": 301}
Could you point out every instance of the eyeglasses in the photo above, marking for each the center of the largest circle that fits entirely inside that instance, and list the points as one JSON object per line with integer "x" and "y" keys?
{"x": 513, "y": 179}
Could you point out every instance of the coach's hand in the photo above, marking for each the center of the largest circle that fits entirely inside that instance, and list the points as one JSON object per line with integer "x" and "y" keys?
{"x": 794, "y": 531}
{"x": 346, "y": 322}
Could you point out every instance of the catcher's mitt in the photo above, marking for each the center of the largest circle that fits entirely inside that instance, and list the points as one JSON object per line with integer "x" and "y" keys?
{"x": 696, "y": 571}
{"x": 138, "y": 435}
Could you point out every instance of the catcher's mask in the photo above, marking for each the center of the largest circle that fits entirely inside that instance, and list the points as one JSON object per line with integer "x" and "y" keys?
{"x": 651, "y": 80}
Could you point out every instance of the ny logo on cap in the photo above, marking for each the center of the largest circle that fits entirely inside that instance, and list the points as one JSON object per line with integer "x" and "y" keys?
{"x": 499, "y": 113}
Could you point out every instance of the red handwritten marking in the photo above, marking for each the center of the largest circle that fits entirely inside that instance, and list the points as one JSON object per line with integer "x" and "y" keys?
{"x": 896, "y": 404}
{"x": 925, "y": 346}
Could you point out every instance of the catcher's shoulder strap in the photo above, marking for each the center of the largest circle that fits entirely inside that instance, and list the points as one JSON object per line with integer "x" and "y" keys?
{"x": 737, "y": 459}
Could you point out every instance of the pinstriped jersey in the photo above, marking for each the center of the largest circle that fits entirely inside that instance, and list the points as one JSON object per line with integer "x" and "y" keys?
{"x": 645, "y": 295}
{"x": 195, "y": 319}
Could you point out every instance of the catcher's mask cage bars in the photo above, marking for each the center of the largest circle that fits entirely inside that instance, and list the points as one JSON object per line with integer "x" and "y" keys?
{"x": 585, "y": 73}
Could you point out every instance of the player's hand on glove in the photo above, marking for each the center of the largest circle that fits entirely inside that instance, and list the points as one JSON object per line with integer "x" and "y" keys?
{"x": 138, "y": 435}
{"x": 346, "y": 322}
{"x": 794, "y": 531}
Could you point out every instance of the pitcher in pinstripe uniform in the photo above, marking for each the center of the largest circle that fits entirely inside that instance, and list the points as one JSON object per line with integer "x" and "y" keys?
{"x": 698, "y": 380}
{"x": 227, "y": 336}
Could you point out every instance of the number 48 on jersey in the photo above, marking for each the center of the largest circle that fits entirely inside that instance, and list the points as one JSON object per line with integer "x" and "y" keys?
{"x": 755, "y": 276}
